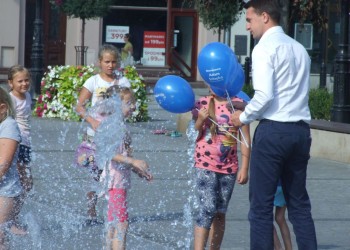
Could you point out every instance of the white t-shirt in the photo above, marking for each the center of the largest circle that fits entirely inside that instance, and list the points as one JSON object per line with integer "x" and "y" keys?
{"x": 97, "y": 87}
{"x": 10, "y": 185}
{"x": 23, "y": 117}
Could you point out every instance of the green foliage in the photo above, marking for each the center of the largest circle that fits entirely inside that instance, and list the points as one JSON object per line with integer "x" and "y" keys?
{"x": 61, "y": 85}
{"x": 139, "y": 88}
{"x": 218, "y": 14}
{"x": 320, "y": 103}
{"x": 83, "y": 9}
{"x": 313, "y": 11}
{"x": 248, "y": 89}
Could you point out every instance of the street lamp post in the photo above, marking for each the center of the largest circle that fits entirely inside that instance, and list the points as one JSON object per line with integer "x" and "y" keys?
{"x": 341, "y": 90}
{"x": 323, "y": 66}
{"x": 37, "y": 50}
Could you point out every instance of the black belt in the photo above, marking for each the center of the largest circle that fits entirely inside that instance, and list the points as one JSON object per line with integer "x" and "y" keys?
{"x": 300, "y": 123}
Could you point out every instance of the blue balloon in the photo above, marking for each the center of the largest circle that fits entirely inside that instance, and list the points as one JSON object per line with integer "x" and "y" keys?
{"x": 236, "y": 82}
{"x": 216, "y": 64}
{"x": 174, "y": 94}
{"x": 243, "y": 96}
{"x": 219, "y": 92}
{"x": 233, "y": 86}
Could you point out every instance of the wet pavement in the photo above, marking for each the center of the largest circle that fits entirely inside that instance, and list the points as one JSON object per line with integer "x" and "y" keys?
{"x": 160, "y": 211}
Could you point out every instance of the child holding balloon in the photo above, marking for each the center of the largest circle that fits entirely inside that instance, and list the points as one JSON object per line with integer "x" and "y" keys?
{"x": 216, "y": 165}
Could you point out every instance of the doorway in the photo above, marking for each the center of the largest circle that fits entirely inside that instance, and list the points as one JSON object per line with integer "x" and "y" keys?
{"x": 54, "y": 34}
{"x": 183, "y": 49}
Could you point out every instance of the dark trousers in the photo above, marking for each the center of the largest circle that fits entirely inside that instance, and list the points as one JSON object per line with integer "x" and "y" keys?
{"x": 280, "y": 150}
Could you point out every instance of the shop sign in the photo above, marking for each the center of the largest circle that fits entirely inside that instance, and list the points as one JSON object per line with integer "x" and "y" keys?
{"x": 153, "y": 48}
{"x": 115, "y": 34}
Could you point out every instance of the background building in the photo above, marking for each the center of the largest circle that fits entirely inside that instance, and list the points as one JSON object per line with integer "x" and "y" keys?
{"x": 167, "y": 35}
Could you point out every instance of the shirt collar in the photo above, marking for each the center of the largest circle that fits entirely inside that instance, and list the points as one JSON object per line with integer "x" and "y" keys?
{"x": 272, "y": 30}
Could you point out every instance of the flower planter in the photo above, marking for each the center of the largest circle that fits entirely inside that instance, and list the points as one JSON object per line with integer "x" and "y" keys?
{"x": 61, "y": 85}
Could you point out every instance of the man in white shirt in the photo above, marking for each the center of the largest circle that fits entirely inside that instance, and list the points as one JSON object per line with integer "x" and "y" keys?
{"x": 282, "y": 141}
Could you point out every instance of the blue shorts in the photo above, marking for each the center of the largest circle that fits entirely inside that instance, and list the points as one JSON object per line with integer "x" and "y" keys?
{"x": 279, "y": 200}
{"x": 214, "y": 192}
{"x": 24, "y": 154}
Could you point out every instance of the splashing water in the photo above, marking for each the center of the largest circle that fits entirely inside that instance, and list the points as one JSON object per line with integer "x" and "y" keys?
{"x": 110, "y": 133}
{"x": 192, "y": 135}
{"x": 160, "y": 213}
{"x": 62, "y": 138}
{"x": 34, "y": 228}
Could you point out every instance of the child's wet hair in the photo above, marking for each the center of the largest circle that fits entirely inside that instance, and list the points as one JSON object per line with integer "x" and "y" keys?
{"x": 15, "y": 69}
{"x": 6, "y": 99}
{"x": 110, "y": 49}
{"x": 115, "y": 89}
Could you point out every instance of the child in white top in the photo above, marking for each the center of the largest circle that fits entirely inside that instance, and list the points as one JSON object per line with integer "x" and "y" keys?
{"x": 19, "y": 82}
{"x": 93, "y": 90}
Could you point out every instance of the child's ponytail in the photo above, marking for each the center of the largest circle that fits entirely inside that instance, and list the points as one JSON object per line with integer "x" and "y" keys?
{"x": 211, "y": 109}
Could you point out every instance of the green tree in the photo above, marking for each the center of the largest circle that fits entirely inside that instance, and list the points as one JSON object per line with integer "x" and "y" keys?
{"x": 221, "y": 14}
{"x": 309, "y": 10}
{"x": 218, "y": 14}
{"x": 83, "y": 9}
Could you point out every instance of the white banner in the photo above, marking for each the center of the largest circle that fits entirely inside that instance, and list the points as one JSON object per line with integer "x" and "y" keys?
{"x": 153, "y": 56}
{"x": 115, "y": 34}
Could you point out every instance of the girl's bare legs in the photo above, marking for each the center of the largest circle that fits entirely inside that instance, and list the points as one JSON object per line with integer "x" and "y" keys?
{"x": 200, "y": 237}
{"x": 92, "y": 201}
{"x": 276, "y": 241}
{"x": 116, "y": 236}
{"x": 16, "y": 228}
{"x": 217, "y": 231}
{"x": 6, "y": 214}
{"x": 282, "y": 223}
{"x": 27, "y": 184}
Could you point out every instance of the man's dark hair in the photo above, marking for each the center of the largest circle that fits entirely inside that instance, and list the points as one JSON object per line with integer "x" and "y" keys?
{"x": 271, "y": 7}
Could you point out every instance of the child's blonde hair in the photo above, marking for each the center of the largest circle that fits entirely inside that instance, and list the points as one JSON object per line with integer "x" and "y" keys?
{"x": 14, "y": 70}
{"x": 6, "y": 99}
{"x": 107, "y": 48}
{"x": 122, "y": 91}
{"x": 211, "y": 111}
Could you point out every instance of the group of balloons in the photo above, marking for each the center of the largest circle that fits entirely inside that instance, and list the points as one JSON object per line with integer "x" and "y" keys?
{"x": 218, "y": 67}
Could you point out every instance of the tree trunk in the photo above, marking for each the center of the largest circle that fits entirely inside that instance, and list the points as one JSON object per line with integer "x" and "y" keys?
{"x": 82, "y": 55}
{"x": 285, "y": 6}
{"x": 227, "y": 36}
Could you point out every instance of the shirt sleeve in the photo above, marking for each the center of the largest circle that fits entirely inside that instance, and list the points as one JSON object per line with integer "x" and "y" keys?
{"x": 263, "y": 83}
{"x": 9, "y": 129}
{"x": 90, "y": 84}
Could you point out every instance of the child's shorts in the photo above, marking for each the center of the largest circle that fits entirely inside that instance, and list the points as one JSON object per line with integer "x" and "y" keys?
{"x": 117, "y": 205}
{"x": 214, "y": 192}
{"x": 279, "y": 200}
{"x": 24, "y": 154}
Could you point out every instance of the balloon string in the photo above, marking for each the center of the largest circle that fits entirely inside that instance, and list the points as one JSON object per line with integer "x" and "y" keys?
{"x": 240, "y": 130}
{"x": 228, "y": 133}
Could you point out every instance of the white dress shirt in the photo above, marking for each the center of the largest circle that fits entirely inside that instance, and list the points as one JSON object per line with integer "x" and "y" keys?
{"x": 280, "y": 73}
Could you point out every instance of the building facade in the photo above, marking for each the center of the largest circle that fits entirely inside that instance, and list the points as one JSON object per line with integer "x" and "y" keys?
{"x": 165, "y": 34}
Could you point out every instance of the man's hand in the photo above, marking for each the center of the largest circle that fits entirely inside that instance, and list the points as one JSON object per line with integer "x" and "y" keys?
{"x": 235, "y": 118}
